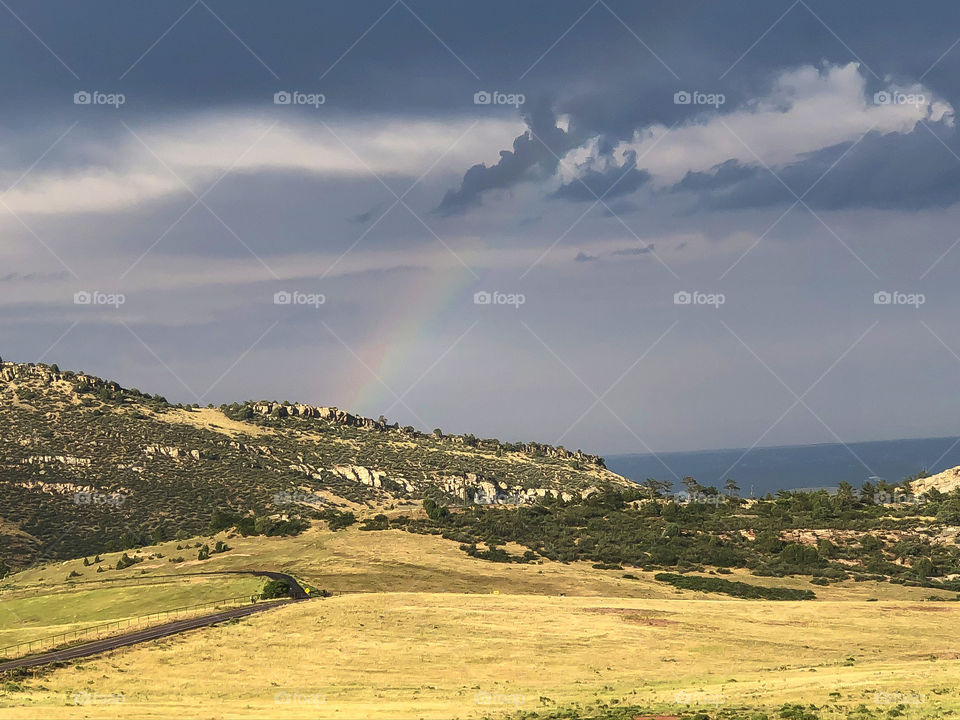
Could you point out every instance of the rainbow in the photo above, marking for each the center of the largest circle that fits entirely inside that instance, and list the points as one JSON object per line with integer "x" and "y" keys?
{"x": 419, "y": 313}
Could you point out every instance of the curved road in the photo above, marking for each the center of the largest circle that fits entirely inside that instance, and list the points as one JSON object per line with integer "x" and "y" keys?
{"x": 96, "y": 647}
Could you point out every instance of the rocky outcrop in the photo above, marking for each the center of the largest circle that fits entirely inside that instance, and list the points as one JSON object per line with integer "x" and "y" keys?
{"x": 66, "y": 488}
{"x": 81, "y": 383}
{"x": 176, "y": 453}
{"x": 262, "y": 450}
{"x": 48, "y": 374}
{"x": 467, "y": 488}
{"x": 165, "y": 450}
{"x": 360, "y": 474}
{"x": 561, "y": 452}
{"x": 339, "y": 417}
{"x": 946, "y": 481}
{"x": 355, "y": 473}
{"x": 471, "y": 488}
{"x": 68, "y": 460}
{"x": 330, "y": 414}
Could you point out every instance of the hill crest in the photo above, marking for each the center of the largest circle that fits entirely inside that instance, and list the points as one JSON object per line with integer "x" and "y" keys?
{"x": 112, "y": 463}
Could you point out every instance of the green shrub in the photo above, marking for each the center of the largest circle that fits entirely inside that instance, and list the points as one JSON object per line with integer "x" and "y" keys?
{"x": 736, "y": 589}
{"x": 274, "y": 589}
{"x": 126, "y": 561}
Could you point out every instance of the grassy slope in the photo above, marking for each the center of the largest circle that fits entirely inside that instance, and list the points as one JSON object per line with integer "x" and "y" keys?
{"x": 403, "y": 648}
{"x": 32, "y": 613}
{"x": 353, "y": 561}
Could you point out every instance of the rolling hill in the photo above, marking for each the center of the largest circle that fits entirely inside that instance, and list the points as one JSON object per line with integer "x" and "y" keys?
{"x": 87, "y": 465}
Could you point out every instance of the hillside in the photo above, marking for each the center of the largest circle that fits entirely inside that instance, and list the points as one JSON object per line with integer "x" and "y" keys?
{"x": 108, "y": 467}
{"x": 946, "y": 481}
{"x": 555, "y": 640}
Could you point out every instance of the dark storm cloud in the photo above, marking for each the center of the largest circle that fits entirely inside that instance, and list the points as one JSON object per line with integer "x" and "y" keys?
{"x": 179, "y": 57}
{"x": 608, "y": 183}
{"x": 399, "y": 66}
{"x": 722, "y": 176}
{"x": 539, "y": 148}
{"x": 910, "y": 172}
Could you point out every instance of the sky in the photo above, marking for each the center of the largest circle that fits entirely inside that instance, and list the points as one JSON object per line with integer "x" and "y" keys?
{"x": 615, "y": 226}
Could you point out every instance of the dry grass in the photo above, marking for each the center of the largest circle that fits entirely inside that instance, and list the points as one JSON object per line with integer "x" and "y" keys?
{"x": 214, "y": 420}
{"x": 423, "y": 631}
{"x": 428, "y": 655}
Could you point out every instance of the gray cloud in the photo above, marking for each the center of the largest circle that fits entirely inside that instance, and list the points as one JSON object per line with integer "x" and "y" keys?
{"x": 910, "y": 172}
{"x": 367, "y": 216}
{"x": 609, "y": 183}
{"x": 634, "y": 250}
{"x": 34, "y": 276}
{"x": 537, "y": 149}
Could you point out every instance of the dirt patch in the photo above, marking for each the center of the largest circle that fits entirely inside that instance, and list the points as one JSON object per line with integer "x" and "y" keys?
{"x": 637, "y": 617}
{"x": 213, "y": 420}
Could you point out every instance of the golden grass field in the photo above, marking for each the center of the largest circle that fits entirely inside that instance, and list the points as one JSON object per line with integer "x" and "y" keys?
{"x": 423, "y": 631}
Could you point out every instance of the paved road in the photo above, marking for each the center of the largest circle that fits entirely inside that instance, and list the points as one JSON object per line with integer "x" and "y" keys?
{"x": 96, "y": 647}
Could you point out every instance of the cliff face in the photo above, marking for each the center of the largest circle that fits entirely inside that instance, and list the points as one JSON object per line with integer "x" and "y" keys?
{"x": 78, "y": 451}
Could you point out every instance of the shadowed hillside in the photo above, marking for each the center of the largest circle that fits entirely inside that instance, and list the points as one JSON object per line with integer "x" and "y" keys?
{"x": 106, "y": 467}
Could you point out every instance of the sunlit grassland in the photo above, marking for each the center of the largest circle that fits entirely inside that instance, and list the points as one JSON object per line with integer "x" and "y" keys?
{"x": 431, "y": 655}
{"x": 421, "y": 630}
{"x": 352, "y": 561}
